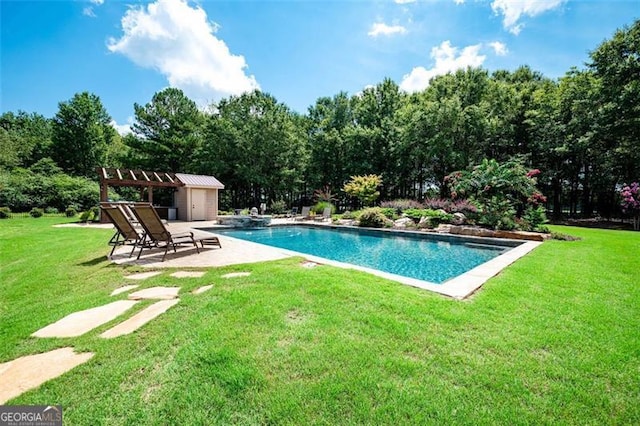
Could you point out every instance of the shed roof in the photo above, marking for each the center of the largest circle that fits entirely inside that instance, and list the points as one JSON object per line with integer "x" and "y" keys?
{"x": 201, "y": 181}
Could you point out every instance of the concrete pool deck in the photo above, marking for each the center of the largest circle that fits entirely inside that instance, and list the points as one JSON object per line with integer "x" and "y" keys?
{"x": 235, "y": 251}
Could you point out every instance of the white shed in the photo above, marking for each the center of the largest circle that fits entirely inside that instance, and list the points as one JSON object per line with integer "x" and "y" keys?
{"x": 198, "y": 198}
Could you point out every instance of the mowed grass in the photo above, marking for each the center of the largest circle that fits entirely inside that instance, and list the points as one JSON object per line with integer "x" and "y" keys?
{"x": 554, "y": 339}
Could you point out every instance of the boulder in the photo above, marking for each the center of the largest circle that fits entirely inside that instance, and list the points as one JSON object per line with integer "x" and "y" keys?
{"x": 403, "y": 222}
{"x": 459, "y": 218}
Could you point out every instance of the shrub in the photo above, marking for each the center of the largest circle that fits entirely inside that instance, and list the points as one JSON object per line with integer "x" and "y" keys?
{"x": 36, "y": 212}
{"x": 564, "y": 237}
{"x": 365, "y": 188}
{"x": 372, "y": 218}
{"x": 533, "y": 218}
{"x": 437, "y": 204}
{"x": 51, "y": 210}
{"x": 321, "y": 205}
{"x": 435, "y": 217}
{"x": 71, "y": 211}
{"x": 465, "y": 207}
{"x": 5, "y": 212}
{"x": 95, "y": 213}
{"x": 498, "y": 213}
{"x": 349, "y": 215}
{"x": 401, "y": 205}
{"x": 278, "y": 207}
{"x": 389, "y": 213}
{"x": 86, "y": 216}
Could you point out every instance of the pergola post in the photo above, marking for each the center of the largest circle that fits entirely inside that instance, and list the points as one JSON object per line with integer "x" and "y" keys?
{"x": 104, "y": 195}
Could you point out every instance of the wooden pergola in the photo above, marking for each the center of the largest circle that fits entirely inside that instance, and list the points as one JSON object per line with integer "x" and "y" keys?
{"x": 136, "y": 178}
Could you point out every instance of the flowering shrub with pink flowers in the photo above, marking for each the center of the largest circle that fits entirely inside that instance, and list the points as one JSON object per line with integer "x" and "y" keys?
{"x": 631, "y": 202}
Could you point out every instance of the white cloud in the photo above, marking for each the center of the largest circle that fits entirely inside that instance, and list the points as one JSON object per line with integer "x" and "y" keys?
{"x": 123, "y": 129}
{"x": 448, "y": 58}
{"x": 405, "y": 1}
{"x": 180, "y": 42}
{"x": 499, "y": 48}
{"x": 380, "y": 28}
{"x": 458, "y": 1}
{"x": 514, "y": 10}
{"x": 88, "y": 11}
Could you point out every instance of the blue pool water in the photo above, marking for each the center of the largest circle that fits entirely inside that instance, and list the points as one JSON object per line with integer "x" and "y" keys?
{"x": 418, "y": 257}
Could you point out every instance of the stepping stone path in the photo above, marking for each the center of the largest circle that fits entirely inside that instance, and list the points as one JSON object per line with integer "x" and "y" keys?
{"x": 124, "y": 289}
{"x": 188, "y": 274}
{"x": 203, "y": 289}
{"x": 159, "y": 293}
{"x": 143, "y": 275}
{"x": 139, "y": 319}
{"x": 309, "y": 264}
{"x": 78, "y": 323}
{"x": 236, "y": 274}
{"x": 29, "y": 372}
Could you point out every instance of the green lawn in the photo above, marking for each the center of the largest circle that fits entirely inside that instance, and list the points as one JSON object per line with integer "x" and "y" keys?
{"x": 554, "y": 339}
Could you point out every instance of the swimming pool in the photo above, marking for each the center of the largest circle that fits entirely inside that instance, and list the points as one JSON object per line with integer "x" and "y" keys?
{"x": 425, "y": 257}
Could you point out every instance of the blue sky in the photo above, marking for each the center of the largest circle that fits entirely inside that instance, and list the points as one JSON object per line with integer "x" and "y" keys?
{"x": 298, "y": 51}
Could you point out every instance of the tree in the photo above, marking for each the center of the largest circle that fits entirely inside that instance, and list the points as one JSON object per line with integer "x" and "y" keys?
{"x": 168, "y": 131}
{"x": 81, "y": 134}
{"x": 24, "y": 139}
{"x": 256, "y": 146}
{"x": 364, "y": 188}
{"x": 616, "y": 63}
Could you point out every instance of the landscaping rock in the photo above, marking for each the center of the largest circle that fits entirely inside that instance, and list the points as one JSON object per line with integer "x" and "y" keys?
{"x": 346, "y": 222}
{"x": 403, "y": 222}
{"x": 459, "y": 218}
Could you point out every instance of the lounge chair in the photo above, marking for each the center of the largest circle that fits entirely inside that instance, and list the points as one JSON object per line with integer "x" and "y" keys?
{"x": 293, "y": 213}
{"x": 305, "y": 214}
{"x": 326, "y": 214}
{"x": 126, "y": 232}
{"x": 156, "y": 233}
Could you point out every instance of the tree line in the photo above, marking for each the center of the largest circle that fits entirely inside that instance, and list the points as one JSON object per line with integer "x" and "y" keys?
{"x": 581, "y": 131}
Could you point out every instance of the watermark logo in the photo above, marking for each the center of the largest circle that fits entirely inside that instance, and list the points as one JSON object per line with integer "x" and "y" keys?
{"x": 30, "y": 415}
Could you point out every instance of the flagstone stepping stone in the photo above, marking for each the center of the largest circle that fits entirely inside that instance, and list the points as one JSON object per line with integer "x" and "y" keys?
{"x": 188, "y": 274}
{"x": 143, "y": 275}
{"x": 236, "y": 274}
{"x": 138, "y": 320}
{"x": 203, "y": 289}
{"x": 159, "y": 293}
{"x": 308, "y": 264}
{"x": 29, "y": 372}
{"x": 124, "y": 289}
{"x": 78, "y": 323}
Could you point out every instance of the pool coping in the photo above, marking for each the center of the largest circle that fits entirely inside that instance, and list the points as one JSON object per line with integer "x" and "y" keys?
{"x": 459, "y": 287}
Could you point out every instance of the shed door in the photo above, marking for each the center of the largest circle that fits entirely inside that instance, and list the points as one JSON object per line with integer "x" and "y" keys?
{"x": 198, "y": 204}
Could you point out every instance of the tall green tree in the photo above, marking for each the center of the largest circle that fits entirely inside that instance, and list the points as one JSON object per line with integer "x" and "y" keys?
{"x": 167, "y": 132}
{"x": 24, "y": 139}
{"x": 616, "y": 63}
{"x": 257, "y": 147}
{"x": 81, "y": 134}
{"x": 330, "y": 121}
